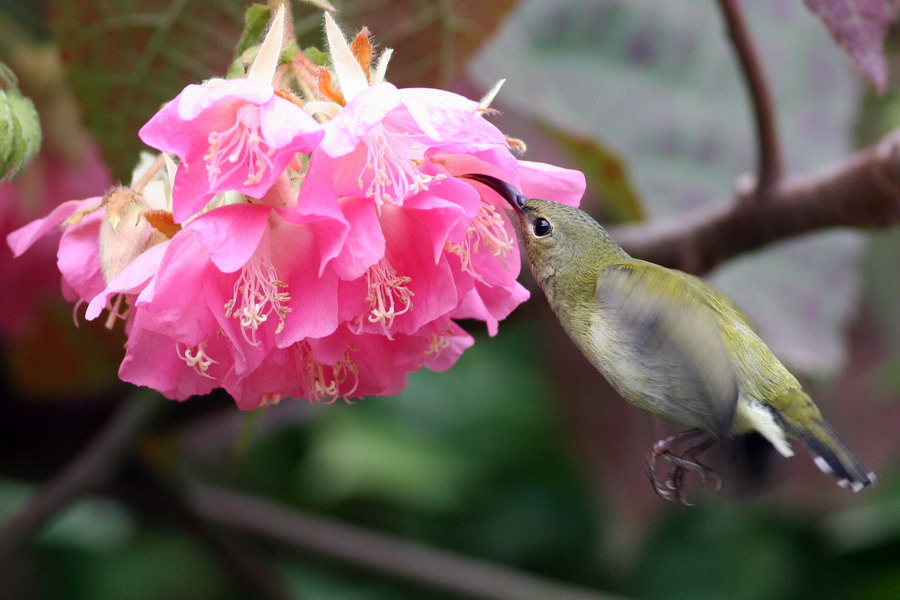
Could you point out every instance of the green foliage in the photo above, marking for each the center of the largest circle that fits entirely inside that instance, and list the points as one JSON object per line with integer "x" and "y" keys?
{"x": 256, "y": 19}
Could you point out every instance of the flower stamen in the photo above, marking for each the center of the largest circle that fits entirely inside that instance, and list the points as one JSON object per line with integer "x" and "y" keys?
{"x": 240, "y": 146}
{"x": 115, "y": 311}
{"x": 486, "y": 228}
{"x": 321, "y": 380}
{"x": 197, "y": 359}
{"x": 389, "y": 295}
{"x": 258, "y": 293}
{"x": 394, "y": 176}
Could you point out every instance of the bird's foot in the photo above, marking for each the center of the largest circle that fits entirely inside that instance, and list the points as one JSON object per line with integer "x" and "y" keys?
{"x": 672, "y": 486}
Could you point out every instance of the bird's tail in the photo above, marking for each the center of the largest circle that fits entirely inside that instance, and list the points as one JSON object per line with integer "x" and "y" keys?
{"x": 801, "y": 419}
{"x": 833, "y": 456}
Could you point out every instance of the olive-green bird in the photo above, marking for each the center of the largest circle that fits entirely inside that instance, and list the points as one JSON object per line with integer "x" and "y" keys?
{"x": 670, "y": 344}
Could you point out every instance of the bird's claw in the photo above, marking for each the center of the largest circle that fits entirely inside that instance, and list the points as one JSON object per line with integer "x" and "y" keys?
{"x": 671, "y": 487}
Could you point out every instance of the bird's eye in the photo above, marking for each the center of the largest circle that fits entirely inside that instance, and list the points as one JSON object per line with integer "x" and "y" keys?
{"x": 541, "y": 227}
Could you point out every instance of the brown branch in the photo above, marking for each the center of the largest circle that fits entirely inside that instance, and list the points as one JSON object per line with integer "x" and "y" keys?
{"x": 377, "y": 553}
{"x": 92, "y": 468}
{"x": 769, "y": 167}
{"x": 861, "y": 191}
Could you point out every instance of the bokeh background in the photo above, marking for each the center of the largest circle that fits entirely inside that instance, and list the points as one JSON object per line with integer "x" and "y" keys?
{"x": 520, "y": 456}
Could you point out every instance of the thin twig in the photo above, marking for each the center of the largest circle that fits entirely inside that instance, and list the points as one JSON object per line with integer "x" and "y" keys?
{"x": 377, "y": 553}
{"x": 92, "y": 468}
{"x": 769, "y": 167}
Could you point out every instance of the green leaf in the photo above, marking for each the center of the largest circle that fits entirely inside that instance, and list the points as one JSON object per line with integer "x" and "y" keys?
{"x": 126, "y": 60}
{"x": 606, "y": 173}
{"x": 255, "y": 21}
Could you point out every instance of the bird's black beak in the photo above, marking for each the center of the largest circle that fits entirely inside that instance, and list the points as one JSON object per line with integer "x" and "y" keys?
{"x": 515, "y": 198}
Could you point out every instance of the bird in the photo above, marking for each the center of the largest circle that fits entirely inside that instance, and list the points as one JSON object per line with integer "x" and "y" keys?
{"x": 671, "y": 344}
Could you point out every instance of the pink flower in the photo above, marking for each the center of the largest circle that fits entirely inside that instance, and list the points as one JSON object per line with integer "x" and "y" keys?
{"x": 230, "y": 135}
{"x": 292, "y": 256}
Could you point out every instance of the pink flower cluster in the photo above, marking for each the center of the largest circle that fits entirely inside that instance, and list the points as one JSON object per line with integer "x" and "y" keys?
{"x": 320, "y": 249}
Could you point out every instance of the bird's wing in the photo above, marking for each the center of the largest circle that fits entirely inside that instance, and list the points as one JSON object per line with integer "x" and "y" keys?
{"x": 663, "y": 324}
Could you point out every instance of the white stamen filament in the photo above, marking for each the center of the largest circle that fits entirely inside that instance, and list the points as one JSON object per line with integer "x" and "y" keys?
{"x": 389, "y": 297}
{"x": 114, "y": 307}
{"x": 238, "y": 146}
{"x": 258, "y": 293}
{"x": 197, "y": 359}
{"x": 486, "y": 228}
{"x": 321, "y": 380}
{"x": 394, "y": 170}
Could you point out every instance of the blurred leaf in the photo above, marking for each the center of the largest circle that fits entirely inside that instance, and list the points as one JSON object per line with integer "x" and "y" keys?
{"x": 356, "y": 458}
{"x": 126, "y": 60}
{"x": 96, "y": 524}
{"x": 311, "y": 583}
{"x": 432, "y": 41}
{"x": 157, "y": 565}
{"x": 868, "y": 525}
{"x": 658, "y": 83}
{"x": 605, "y": 171}
{"x": 859, "y": 27}
{"x": 723, "y": 552}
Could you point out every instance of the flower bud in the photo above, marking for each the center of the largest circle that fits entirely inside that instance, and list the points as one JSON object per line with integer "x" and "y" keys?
{"x": 20, "y": 128}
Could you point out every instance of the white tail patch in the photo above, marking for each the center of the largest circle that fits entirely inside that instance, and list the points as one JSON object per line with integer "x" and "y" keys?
{"x": 826, "y": 468}
{"x": 760, "y": 417}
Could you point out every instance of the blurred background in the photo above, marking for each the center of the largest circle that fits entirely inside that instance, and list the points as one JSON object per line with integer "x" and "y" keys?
{"x": 520, "y": 456}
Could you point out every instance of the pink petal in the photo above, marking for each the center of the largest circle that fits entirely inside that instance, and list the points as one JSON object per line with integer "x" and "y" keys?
{"x": 78, "y": 257}
{"x": 344, "y": 132}
{"x": 21, "y": 239}
{"x": 410, "y": 252}
{"x": 439, "y": 114}
{"x": 364, "y": 245}
{"x": 130, "y": 280}
{"x": 439, "y": 216}
{"x": 231, "y": 233}
{"x": 152, "y": 360}
{"x": 284, "y": 124}
{"x": 314, "y": 299}
{"x": 277, "y": 377}
{"x": 540, "y": 180}
{"x": 175, "y": 303}
{"x": 458, "y": 340}
{"x": 491, "y": 304}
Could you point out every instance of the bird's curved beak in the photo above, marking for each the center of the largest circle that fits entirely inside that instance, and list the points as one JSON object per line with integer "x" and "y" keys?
{"x": 514, "y": 197}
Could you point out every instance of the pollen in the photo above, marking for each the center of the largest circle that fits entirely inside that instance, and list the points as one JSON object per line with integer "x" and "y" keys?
{"x": 258, "y": 294}
{"x": 237, "y": 150}
{"x": 389, "y": 295}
